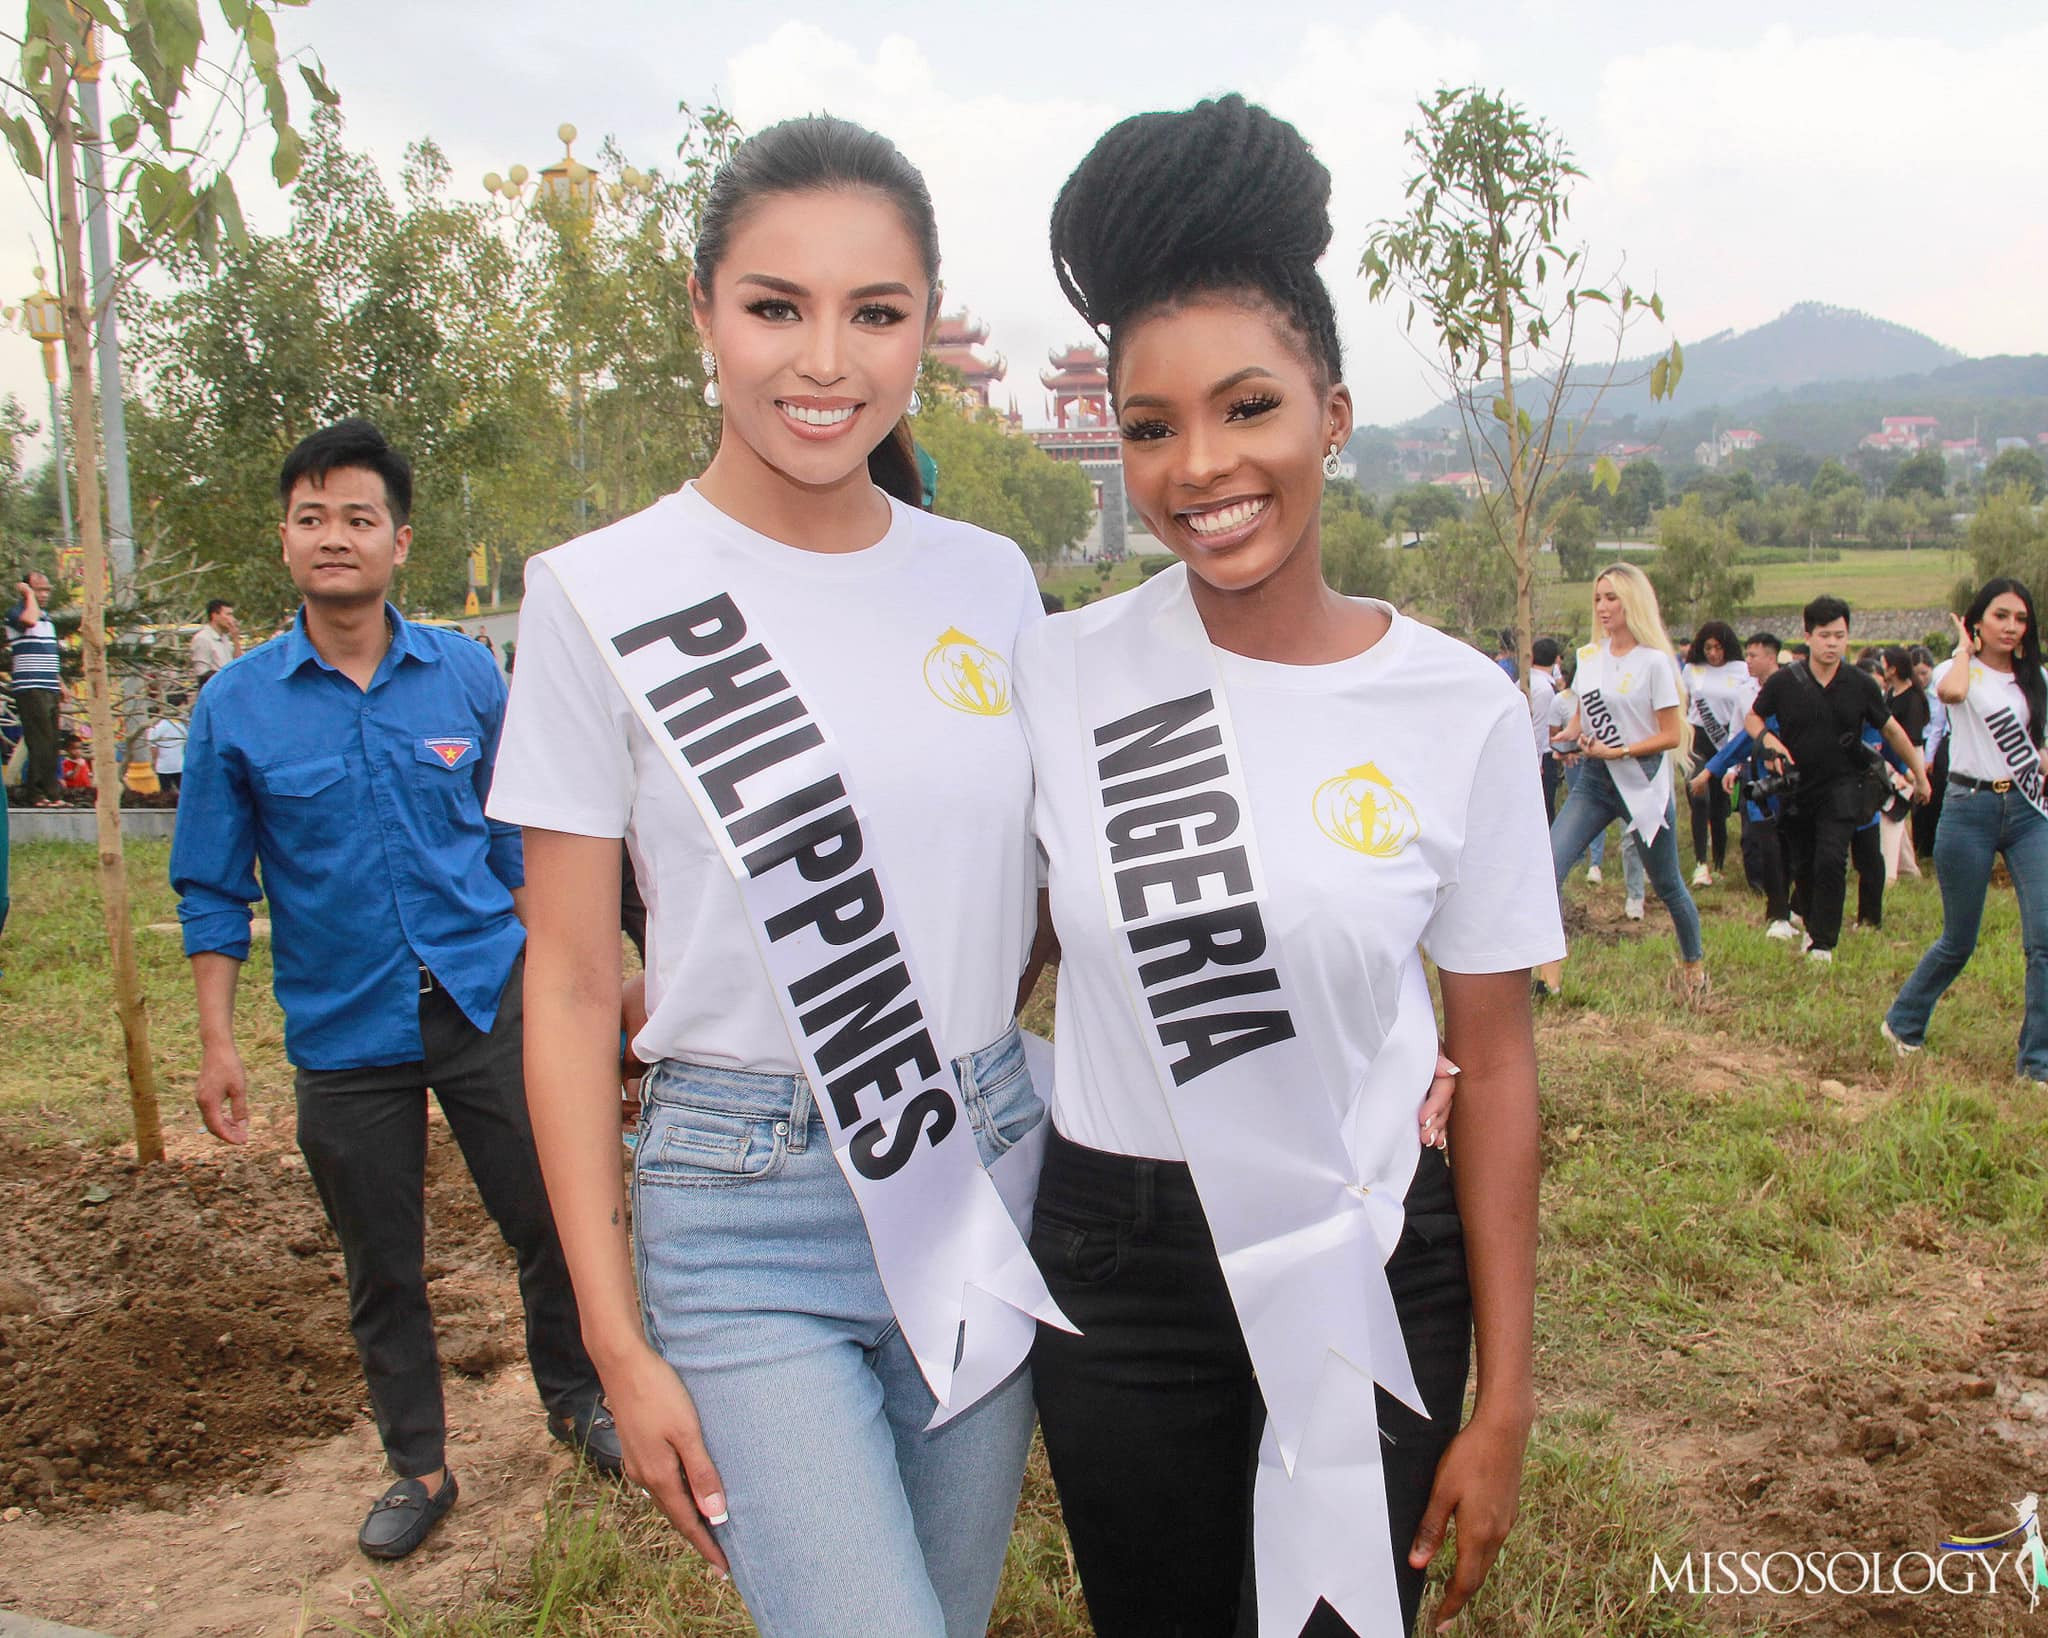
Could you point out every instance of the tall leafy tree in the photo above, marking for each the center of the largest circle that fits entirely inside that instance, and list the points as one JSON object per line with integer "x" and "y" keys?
{"x": 1694, "y": 571}
{"x": 166, "y": 186}
{"x": 1482, "y": 255}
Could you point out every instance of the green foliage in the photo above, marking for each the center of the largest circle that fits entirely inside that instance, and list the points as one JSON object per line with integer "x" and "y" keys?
{"x": 2022, "y": 468}
{"x": 166, "y": 188}
{"x": 1456, "y": 579}
{"x": 2008, "y": 537}
{"x": 991, "y": 476}
{"x": 1925, "y": 472}
{"x": 1356, "y": 559}
{"x": 1639, "y": 493}
{"x": 476, "y": 344}
{"x": 1694, "y": 570}
{"x": 1421, "y": 507}
{"x": 1575, "y": 532}
{"x": 1831, "y": 477}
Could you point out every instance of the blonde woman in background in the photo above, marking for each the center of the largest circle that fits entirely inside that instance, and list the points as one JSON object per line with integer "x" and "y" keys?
{"x": 1630, "y": 725}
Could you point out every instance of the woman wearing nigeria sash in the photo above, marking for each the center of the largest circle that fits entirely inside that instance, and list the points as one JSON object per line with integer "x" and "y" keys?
{"x": 1632, "y": 705}
{"x": 1261, "y": 802}
{"x": 787, "y": 688}
{"x": 1997, "y": 702}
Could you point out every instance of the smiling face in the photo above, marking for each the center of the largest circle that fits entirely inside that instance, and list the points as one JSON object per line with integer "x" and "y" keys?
{"x": 818, "y": 321}
{"x": 341, "y": 542}
{"x": 2004, "y": 625}
{"x": 1225, "y": 425}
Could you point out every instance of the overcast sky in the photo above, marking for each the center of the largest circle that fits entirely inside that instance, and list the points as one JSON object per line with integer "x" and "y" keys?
{"x": 1883, "y": 155}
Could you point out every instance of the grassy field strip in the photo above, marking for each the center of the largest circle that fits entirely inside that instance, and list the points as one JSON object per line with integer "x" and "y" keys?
{"x": 1738, "y": 1206}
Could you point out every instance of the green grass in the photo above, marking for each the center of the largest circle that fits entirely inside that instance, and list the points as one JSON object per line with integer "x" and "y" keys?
{"x": 1868, "y": 580}
{"x": 1722, "y": 1194}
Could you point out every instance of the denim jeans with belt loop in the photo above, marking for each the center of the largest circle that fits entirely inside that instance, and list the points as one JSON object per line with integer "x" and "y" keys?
{"x": 846, "y": 1518}
{"x": 1595, "y": 802}
{"x": 1976, "y": 825}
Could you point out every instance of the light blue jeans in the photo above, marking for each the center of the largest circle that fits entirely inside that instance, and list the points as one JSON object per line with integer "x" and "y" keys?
{"x": 1975, "y": 826}
{"x": 757, "y": 1284}
{"x": 1593, "y": 805}
{"x": 1631, "y": 855}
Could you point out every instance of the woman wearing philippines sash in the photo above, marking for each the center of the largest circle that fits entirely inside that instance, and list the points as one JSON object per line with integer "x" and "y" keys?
{"x": 1997, "y": 700}
{"x": 787, "y": 689}
{"x": 1632, "y": 701}
{"x": 1259, "y": 802}
{"x": 1718, "y": 689}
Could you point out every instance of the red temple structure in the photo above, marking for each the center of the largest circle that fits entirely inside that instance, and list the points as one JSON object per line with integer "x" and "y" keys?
{"x": 954, "y": 344}
{"x": 1079, "y": 384}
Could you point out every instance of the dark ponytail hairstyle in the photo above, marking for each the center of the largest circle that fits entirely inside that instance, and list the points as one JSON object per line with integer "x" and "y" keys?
{"x": 1220, "y": 198}
{"x": 2026, "y": 659}
{"x": 821, "y": 154}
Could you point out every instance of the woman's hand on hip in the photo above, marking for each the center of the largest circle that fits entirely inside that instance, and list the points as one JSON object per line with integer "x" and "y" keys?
{"x": 1479, "y": 1483}
{"x": 664, "y": 1449}
{"x": 1436, "y": 1105}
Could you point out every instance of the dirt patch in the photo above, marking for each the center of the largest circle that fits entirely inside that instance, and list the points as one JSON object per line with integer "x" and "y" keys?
{"x": 164, "y": 1331}
{"x": 1880, "y": 1462}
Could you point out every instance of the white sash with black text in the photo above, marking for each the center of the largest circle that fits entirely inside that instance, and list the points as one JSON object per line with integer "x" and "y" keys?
{"x": 1647, "y": 797}
{"x": 781, "y": 802}
{"x": 2009, "y": 733}
{"x": 1303, "y": 1242}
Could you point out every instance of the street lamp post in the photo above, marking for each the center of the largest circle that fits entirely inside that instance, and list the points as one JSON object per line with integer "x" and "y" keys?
{"x": 569, "y": 194}
{"x": 42, "y": 316}
{"x": 106, "y": 330}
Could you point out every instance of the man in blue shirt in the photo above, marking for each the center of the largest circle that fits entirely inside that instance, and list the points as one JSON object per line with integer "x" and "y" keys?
{"x": 349, "y": 759}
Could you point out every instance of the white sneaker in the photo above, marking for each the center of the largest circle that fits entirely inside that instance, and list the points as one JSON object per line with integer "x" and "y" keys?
{"x": 1821, "y": 958}
{"x": 1797, "y": 919}
{"x": 1592, "y": 875}
{"x": 1633, "y": 909}
{"x": 1899, "y": 1047}
{"x": 1702, "y": 876}
{"x": 1781, "y": 930}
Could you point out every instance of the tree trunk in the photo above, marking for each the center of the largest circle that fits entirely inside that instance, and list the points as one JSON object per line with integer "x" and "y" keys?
{"x": 129, "y": 1003}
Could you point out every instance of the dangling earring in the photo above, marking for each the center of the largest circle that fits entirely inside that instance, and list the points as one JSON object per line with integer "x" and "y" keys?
{"x": 710, "y": 378}
{"x": 916, "y": 404}
{"x": 1332, "y": 467}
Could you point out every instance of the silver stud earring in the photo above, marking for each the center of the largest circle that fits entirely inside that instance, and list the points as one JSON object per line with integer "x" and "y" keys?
{"x": 710, "y": 378}
{"x": 1332, "y": 467}
{"x": 916, "y": 404}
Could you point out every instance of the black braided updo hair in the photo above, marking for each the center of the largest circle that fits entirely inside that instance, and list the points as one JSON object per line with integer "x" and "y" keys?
{"x": 819, "y": 153}
{"x": 1220, "y": 198}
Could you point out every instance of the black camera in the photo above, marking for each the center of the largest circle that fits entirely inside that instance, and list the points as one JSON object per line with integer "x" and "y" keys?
{"x": 1784, "y": 783}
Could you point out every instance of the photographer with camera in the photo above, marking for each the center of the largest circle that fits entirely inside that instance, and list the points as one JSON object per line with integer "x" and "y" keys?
{"x": 1820, "y": 711}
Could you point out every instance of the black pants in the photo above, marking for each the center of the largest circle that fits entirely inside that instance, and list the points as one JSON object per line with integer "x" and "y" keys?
{"x": 1553, "y": 776}
{"x": 1763, "y": 863}
{"x": 1152, "y": 1418}
{"x": 364, "y": 1135}
{"x": 1821, "y": 826}
{"x": 37, "y": 708}
{"x": 1866, "y": 852}
{"x": 1926, "y": 819}
{"x": 1710, "y": 811}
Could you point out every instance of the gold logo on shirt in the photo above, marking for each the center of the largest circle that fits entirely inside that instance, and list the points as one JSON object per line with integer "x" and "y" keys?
{"x": 968, "y": 677}
{"x": 1361, "y": 810}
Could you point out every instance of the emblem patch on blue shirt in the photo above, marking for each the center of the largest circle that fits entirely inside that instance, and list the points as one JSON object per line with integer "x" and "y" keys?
{"x": 451, "y": 751}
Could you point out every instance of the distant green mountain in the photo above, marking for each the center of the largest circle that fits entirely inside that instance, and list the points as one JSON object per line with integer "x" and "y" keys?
{"x": 1818, "y": 378}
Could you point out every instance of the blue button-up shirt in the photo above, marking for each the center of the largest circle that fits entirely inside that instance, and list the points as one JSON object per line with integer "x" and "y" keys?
{"x": 365, "y": 810}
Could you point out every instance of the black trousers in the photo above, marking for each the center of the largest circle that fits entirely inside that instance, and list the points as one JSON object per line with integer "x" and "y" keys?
{"x": 1928, "y": 818}
{"x": 1866, "y": 852}
{"x": 1763, "y": 863}
{"x": 1820, "y": 826}
{"x": 1709, "y": 812}
{"x": 1553, "y": 776}
{"x": 1152, "y": 1417}
{"x": 37, "y": 708}
{"x": 364, "y": 1135}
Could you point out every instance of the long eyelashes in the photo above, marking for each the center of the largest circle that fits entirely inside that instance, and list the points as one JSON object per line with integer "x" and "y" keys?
{"x": 874, "y": 315}
{"x": 1242, "y": 409}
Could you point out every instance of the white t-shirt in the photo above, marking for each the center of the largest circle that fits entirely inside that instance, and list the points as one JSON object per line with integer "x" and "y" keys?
{"x": 1973, "y": 747}
{"x": 1633, "y": 689}
{"x": 1542, "y": 705}
{"x": 1441, "y": 734}
{"x": 902, "y": 652}
{"x": 1723, "y": 692}
{"x": 167, "y": 738}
